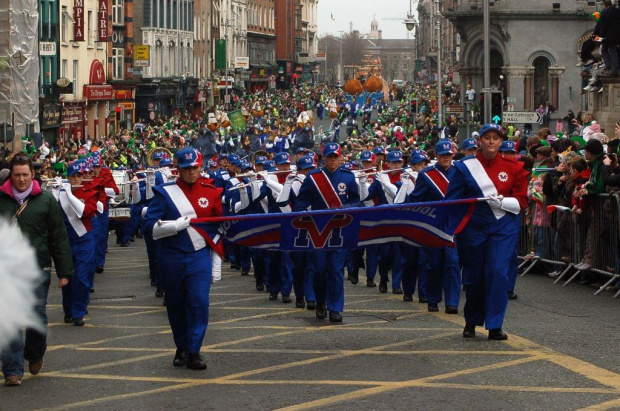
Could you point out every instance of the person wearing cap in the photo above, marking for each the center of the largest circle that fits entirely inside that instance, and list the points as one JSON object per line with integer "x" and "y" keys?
{"x": 367, "y": 160}
{"x": 221, "y": 174}
{"x": 379, "y": 153}
{"x": 279, "y": 264}
{"x": 415, "y": 260}
{"x": 187, "y": 269}
{"x": 303, "y": 278}
{"x": 102, "y": 176}
{"x": 508, "y": 148}
{"x": 238, "y": 203}
{"x": 489, "y": 239}
{"x": 469, "y": 147}
{"x": 79, "y": 206}
{"x": 326, "y": 188}
{"x": 384, "y": 187}
{"x": 443, "y": 271}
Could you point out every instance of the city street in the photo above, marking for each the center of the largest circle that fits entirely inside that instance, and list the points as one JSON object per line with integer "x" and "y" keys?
{"x": 562, "y": 352}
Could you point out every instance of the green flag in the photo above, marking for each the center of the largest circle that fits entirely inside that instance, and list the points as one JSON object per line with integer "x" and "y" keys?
{"x": 237, "y": 121}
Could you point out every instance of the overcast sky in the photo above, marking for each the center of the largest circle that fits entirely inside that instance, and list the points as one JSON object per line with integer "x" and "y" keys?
{"x": 361, "y": 13}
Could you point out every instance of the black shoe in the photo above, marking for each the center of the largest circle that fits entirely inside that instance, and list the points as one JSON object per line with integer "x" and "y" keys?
{"x": 226, "y": 259}
{"x": 354, "y": 278}
{"x": 159, "y": 294}
{"x": 407, "y": 297}
{"x": 236, "y": 266}
{"x": 78, "y": 322}
{"x": 139, "y": 235}
{"x": 99, "y": 269}
{"x": 512, "y": 296}
{"x": 423, "y": 300}
{"x": 153, "y": 284}
{"x": 311, "y": 305}
{"x": 371, "y": 283}
{"x": 335, "y": 317}
{"x": 497, "y": 334}
{"x": 92, "y": 290}
{"x": 196, "y": 362}
{"x": 321, "y": 311}
{"x": 397, "y": 290}
{"x": 383, "y": 286}
{"x": 432, "y": 307}
{"x": 125, "y": 245}
{"x": 244, "y": 273}
{"x": 68, "y": 319}
{"x": 260, "y": 286}
{"x": 286, "y": 299}
{"x": 273, "y": 296}
{"x": 180, "y": 358}
{"x": 267, "y": 288}
{"x": 300, "y": 303}
{"x": 469, "y": 331}
{"x": 450, "y": 309}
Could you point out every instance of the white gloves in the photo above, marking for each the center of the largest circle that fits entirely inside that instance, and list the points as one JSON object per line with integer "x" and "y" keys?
{"x": 389, "y": 188}
{"x": 216, "y": 267}
{"x": 168, "y": 228}
{"x": 495, "y": 202}
{"x": 150, "y": 183}
{"x": 182, "y": 223}
{"x": 150, "y": 178}
{"x": 75, "y": 203}
{"x": 244, "y": 201}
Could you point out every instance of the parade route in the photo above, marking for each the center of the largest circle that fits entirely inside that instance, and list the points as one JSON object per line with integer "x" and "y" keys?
{"x": 561, "y": 353}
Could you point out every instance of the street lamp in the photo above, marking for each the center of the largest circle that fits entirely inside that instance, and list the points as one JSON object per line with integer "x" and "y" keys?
{"x": 227, "y": 24}
{"x": 341, "y": 71}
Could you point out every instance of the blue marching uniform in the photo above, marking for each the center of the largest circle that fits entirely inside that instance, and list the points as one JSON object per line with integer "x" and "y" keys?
{"x": 337, "y": 188}
{"x": 443, "y": 263}
{"x": 491, "y": 236}
{"x": 184, "y": 256}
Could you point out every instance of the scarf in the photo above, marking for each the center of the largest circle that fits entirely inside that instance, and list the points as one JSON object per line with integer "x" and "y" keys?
{"x": 21, "y": 196}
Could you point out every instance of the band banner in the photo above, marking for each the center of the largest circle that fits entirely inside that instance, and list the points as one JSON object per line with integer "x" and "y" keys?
{"x": 423, "y": 224}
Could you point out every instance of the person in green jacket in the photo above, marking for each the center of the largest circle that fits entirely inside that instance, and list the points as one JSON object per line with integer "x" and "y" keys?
{"x": 39, "y": 219}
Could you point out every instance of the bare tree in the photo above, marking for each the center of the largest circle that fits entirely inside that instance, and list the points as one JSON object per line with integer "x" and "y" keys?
{"x": 352, "y": 49}
{"x": 390, "y": 67}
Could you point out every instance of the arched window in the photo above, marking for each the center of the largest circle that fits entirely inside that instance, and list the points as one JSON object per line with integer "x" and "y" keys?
{"x": 541, "y": 81}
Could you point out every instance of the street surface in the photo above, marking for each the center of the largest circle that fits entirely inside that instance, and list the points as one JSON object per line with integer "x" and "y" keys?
{"x": 562, "y": 352}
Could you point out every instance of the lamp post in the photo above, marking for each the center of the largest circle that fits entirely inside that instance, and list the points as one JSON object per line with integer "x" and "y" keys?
{"x": 227, "y": 24}
{"x": 487, "y": 63}
{"x": 341, "y": 71}
{"x": 439, "y": 74}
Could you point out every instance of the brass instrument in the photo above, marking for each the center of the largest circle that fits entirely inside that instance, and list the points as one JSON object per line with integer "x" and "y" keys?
{"x": 149, "y": 156}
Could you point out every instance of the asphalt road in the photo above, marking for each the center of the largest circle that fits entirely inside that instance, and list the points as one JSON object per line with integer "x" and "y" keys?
{"x": 562, "y": 352}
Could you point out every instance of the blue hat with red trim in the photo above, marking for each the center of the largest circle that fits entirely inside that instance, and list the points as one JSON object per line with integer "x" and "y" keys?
{"x": 189, "y": 157}
{"x": 269, "y": 165}
{"x": 507, "y": 146}
{"x": 305, "y": 162}
{"x": 379, "y": 150}
{"x": 245, "y": 166}
{"x": 491, "y": 127}
{"x": 367, "y": 155}
{"x": 443, "y": 147}
{"x": 282, "y": 158}
{"x": 158, "y": 155}
{"x": 166, "y": 161}
{"x": 332, "y": 148}
{"x": 260, "y": 160}
{"x": 418, "y": 158}
{"x": 74, "y": 168}
{"x": 395, "y": 155}
{"x": 469, "y": 144}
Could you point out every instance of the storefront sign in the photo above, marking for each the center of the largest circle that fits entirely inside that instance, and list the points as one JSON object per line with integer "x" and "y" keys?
{"x": 78, "y": 20}
{"x": 102, "y": 18}
{"x": 141, "y": 56}
{"x": 104, "y": 92}
{"x": 242, "y": 63}
{"x": 118, "y": 38}
{"x": 97, "y": 74}
{"x": 47, "y": 48}
{"x": 71, "y": 114}
{"x": 50, "y": 117}
{"x": 123, "y": 94}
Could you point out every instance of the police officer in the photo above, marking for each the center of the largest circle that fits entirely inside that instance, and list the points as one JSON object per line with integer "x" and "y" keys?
{"x": 491, "y": 236}
{"x": 184, "y": 257}
{"x": 443, "y": 273}
{"x": 326, "y": 188}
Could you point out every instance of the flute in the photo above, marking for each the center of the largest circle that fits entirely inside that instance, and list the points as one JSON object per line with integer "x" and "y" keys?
{"x": 269, "y": 172}
{"x": 385, "y": 171}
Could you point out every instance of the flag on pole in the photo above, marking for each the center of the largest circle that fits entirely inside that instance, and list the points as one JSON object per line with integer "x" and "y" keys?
{"x": 332, "y": 15}
{"x": 422, "y": 224}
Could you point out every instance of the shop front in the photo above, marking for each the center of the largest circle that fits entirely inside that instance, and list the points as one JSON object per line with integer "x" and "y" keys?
{"x": 50, "y": 122}
{"x": 123, "y": 108}
{"x": 72, "y": 123}
{"x": 97, "y": 95}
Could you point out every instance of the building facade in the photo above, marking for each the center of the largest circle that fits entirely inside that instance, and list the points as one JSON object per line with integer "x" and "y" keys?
{"x": 534, "y": 47}
{"x": 261, "y": 44}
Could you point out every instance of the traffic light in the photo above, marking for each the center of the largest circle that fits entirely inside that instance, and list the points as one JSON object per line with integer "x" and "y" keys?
{"x": 497, "y": 107}
{"x": 119, "y": 113}
{"x": 295, "y": 78}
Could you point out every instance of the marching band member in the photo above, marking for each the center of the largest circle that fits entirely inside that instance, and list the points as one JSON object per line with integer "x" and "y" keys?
{"x": 184, "y": 257}
{"x": 415, "y": 261}
{"x": 103, "y": 177}
{"x": 443, "y": 272}
{"x": 239, "y": 254}
{"x": 79, "y": 206}
{"x": 469, "y": 147}
{"x": 491, "y": 236}
{"x": 384, "y": 187}
{"x": 303, "y": 278}
{"x": 368, "y": 161}
{"x": 326, "y": 188}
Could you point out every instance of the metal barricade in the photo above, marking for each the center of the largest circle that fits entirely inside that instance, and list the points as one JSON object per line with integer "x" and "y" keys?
{"x": 593, "y": 234}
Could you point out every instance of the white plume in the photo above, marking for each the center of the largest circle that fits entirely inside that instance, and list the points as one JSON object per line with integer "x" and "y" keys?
{"x": 19, "y": 274}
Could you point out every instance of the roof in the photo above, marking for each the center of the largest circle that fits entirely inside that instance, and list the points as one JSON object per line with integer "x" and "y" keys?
{"x": 389, "y": 43}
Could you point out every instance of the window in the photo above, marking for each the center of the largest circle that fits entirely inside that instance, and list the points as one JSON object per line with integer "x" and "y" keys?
{"x": 63, "y": 70}
{"x": 118, "y": 15}
{"x": 75, "y": 77}
{"x": 91, "y": 29}
{"x": 118, "y": 61}
{"x": 541, "y": 81}
{"x": 65, "y": 19}
{"x": 161, "y": 14}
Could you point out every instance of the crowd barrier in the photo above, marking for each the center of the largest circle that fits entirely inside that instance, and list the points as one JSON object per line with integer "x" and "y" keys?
{"x": 561, "y": 245}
